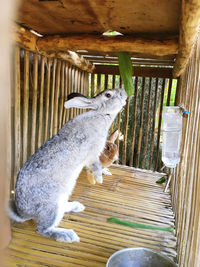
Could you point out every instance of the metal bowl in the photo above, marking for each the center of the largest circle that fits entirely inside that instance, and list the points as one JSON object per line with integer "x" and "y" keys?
{"x": 139, "y": 257}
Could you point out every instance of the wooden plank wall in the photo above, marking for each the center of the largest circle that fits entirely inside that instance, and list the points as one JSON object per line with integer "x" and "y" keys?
{"x": 186, "y": 185}
{"x": 140, "y": 121}
{"x": 41, "y": 86}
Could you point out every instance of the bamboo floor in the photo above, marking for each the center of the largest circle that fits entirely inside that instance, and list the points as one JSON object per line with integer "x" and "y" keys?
{"x": 129, "y": 194}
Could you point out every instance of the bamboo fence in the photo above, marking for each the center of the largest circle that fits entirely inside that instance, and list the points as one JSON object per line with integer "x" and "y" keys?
{"x": 41, "y": 86}
{"x": 186, "y": 185}
{"x": 140, "y": 121}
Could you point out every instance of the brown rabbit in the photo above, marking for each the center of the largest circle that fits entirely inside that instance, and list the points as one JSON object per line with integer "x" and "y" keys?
{"x": 108, "y": 156}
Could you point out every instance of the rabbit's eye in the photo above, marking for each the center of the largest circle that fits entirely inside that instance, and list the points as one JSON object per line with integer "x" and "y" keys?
{"x": 108, "y": 95}
{"x": 108, "y": 148}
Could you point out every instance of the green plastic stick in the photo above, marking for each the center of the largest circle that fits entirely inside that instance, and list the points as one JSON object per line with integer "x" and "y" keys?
{"x": 138, "y": 225}
{"x": 126, "y": 72}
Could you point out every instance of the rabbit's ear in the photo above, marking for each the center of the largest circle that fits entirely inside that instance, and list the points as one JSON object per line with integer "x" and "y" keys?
{"x": 113, "y": 136}
{"x": 80, "y": 101}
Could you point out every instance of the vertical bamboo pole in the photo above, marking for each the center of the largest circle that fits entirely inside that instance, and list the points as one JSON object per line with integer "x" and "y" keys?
{"x": 47, "y": 95}
{"x": 159, "y": 125}
{"x": 66, "y": 90}
{"x": 55, "y": 121}
{"x": 61, "y": 102}
{"x": 153, "y": 126}
{"x": 25, "y": 105}
{"x": 169, "y": 92}
{"x": 140, "y": 124}
{"x": 34, "y": 102}
{"x": 113, "y": 81}
{"x": 52, "y": 98}
{"x": 147, "y": 125}
{"x": 41, "y": 107}
{"x": 92, "y": 84}
{"x": 70, "y": 90}
{"x": 17, "y": 115}
{"x": 133, "y": 123}
{"x": 98, "y": 83}
{"x": 106, "y": 82}
{"x": 126, "y": 120}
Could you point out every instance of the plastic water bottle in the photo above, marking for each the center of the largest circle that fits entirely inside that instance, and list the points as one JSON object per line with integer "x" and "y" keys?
{"x": 171, "y": 138}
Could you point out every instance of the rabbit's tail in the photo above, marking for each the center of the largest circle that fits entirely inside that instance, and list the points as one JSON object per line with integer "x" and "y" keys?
{"x": 13, "y": 214}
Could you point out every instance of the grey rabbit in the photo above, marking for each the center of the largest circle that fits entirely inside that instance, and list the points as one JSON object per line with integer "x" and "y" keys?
{"x": 46, "y": 181}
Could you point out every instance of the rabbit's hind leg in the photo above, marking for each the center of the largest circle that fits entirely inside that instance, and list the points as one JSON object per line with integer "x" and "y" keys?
{"x": 47, "y": 221}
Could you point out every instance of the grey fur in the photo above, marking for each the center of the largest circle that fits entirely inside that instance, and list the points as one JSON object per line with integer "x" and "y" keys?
{"x": 47, "y": 179}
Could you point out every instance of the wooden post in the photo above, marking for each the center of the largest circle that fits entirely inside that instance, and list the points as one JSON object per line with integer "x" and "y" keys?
{"x": 52, "y": 98}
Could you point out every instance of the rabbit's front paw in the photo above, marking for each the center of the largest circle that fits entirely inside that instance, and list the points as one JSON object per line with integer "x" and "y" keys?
{"x": 106, "y": 171}
{"x": 99, "y": 179}
{"x": 67, "y": 235}
{"x": 77, "y": 206}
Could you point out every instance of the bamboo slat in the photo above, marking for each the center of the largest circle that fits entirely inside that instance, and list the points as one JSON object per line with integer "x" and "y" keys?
{"x": 140, "y": 124}
{"x": 61, "y": 99}
{"x": 47, "y": 98}
{"x": 25, "y": 105}
{"x": 98, "y": 83}
{"x": 186, "y": 185}
{"x": 66, "y": 90}
{"x": 34, "y": 102}
{"x": 41, "y": 102}
{"x": 92, "y": 85}
{"x": 55, "y": 115}
{"x": 125, "y": 133}
{"x": 133, "y": 123}
{"x": 17, "y": 116}
{"x": 121, "y": 196}
{"x": 52, "y": 98}
{"x": 159, "y": 124}
{"x": 169, "y": 92}
{"x": 147, "y": 124}
{"x": 106, "y": 81}
{"x": 153, "y": 125}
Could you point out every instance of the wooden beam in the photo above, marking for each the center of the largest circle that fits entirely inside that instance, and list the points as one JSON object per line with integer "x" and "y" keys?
{"x": 137, "y": 71}
{"x": 108, "y": 44}
{"x": 189, "y": 27}
{"x": 27, "y": 40}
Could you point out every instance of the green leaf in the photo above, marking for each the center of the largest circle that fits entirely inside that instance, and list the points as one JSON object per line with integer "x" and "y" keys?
{"x": 139, "y": 225}
{"x": 126, "y": 72}
{"x": 161, "y": 180}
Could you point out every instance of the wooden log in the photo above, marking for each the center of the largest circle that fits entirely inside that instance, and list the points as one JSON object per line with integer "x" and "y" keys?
{"x": 27, "y": 40}
{"x": 108, "y": 44}
{"x": 47, "y": 96}
{"x": 25, "y": 105}
{"x": 34, "y": 103}
{"x": 137, "y": 71}
{"x": 17, "y": 116}
{"x": 188, "y": 32}
{"x": 40, "y": 123}
{"x": 24, "y": 38}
